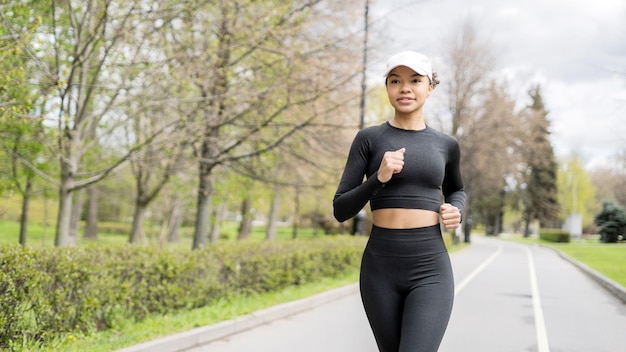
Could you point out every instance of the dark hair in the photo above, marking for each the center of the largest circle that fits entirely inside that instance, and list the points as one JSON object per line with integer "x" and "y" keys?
{"x": 434, "y": 82}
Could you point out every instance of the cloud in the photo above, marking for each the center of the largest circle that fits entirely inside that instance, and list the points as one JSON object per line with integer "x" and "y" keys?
{"x": 586, "y": 121}
{"x": 575, "y": 49}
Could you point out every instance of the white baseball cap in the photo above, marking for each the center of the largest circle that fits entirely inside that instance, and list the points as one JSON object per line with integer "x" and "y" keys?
{"x": 411, "y": 59}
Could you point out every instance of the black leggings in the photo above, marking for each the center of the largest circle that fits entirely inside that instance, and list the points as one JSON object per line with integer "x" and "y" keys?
{"x": 407, "y": 288}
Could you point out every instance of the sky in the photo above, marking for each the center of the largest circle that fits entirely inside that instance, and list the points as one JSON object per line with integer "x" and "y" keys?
{"x": 575, "y": 49}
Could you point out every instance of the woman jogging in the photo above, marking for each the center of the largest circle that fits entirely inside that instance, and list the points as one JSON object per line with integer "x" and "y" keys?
{"x": 406, "y": 278}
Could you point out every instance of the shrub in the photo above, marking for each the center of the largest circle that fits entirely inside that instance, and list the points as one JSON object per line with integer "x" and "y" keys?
{"x": 612, "y": 223}
{"x": 554, "y": 235}
{"x": 47, "y": 292}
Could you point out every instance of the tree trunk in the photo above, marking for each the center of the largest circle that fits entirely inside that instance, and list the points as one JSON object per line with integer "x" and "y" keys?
{"x": 296, "y": 215}
{"x": 174, "y": 235}
{"x": 218, "y": 217}
{"x": 527, "y": 225}
{"x": 175, "y": 222}
{"x": 25, "y": 205}
{"x": 137, "y": 233}
{"x": 467, "y": 229}
{"x": 62, "y": 237}
{"x": 498, "y": 229}
{"x": 91, "y": 225}
{"x": 205, "y": 191}
{"x": 245, "y": 226}
{"x": 44, "y": 232}
{"x": 467, "y": 221}
{"x": 215, "y": 228}
{"x": 272, "y": 217}
{"x": 77, "y": 210}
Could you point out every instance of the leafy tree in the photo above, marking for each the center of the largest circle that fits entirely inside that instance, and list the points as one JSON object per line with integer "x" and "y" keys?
{"x": 612, "y": 223}
{"x": 21, "y": 131}
{"x": 576, "y": 192}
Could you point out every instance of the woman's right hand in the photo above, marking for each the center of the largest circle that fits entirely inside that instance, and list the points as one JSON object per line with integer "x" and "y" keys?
{"x": 391, "y": 164}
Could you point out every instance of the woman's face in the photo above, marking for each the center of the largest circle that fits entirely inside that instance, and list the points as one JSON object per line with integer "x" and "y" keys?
{"x": 407, "y": 91}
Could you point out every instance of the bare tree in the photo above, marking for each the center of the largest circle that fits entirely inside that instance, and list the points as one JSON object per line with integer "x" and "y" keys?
{"x": 620, "y": 176}
{"x": 247, "y": 81}
{"x": 85, "y": 69}
{"x": 239, "y": 80}
{"x": 152, "y": 169}
{"x": 470, "y": 60}
{"x": 495, "y": 154}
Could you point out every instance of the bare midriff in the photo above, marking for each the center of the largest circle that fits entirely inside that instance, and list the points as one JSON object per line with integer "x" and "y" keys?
{"x": 400, "y": 218}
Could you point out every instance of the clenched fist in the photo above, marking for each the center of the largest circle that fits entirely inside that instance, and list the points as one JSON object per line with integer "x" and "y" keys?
{"x": 391, "y": 164}
{"x": 450, "y": 216}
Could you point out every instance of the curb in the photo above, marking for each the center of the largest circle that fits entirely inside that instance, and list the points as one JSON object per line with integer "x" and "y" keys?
{"x": 616, "y": 289}
{"x": 203, "y": 335}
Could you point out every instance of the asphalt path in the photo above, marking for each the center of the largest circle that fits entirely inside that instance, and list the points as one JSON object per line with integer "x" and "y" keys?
{"x": 513, "y": 297}
{"x": 509, "y": 298}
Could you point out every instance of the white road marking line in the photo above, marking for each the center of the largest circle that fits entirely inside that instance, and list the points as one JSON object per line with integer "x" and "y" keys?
{"x": 473, "y": 274}
{"x": 540, "y": 325}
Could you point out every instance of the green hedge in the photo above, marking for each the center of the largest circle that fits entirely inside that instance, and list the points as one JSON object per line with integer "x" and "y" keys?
{"x": 46, "y": 292}
{"x": 554, "y": 235}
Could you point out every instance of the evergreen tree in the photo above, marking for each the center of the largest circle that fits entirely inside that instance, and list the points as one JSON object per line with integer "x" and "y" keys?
{"x": 539, "y": 196}
{"x": 612, "y": 223}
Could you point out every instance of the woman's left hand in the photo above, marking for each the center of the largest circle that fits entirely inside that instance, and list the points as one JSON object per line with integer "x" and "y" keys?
{"x": 450, "y": 216}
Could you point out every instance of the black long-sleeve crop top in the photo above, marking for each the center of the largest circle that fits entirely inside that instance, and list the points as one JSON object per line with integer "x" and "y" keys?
{"x": 431, "y": 167}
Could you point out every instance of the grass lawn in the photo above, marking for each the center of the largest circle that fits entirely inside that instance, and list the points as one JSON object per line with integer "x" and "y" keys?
{"x": 39, "y": 235}
{"x": 608, "y": 259}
